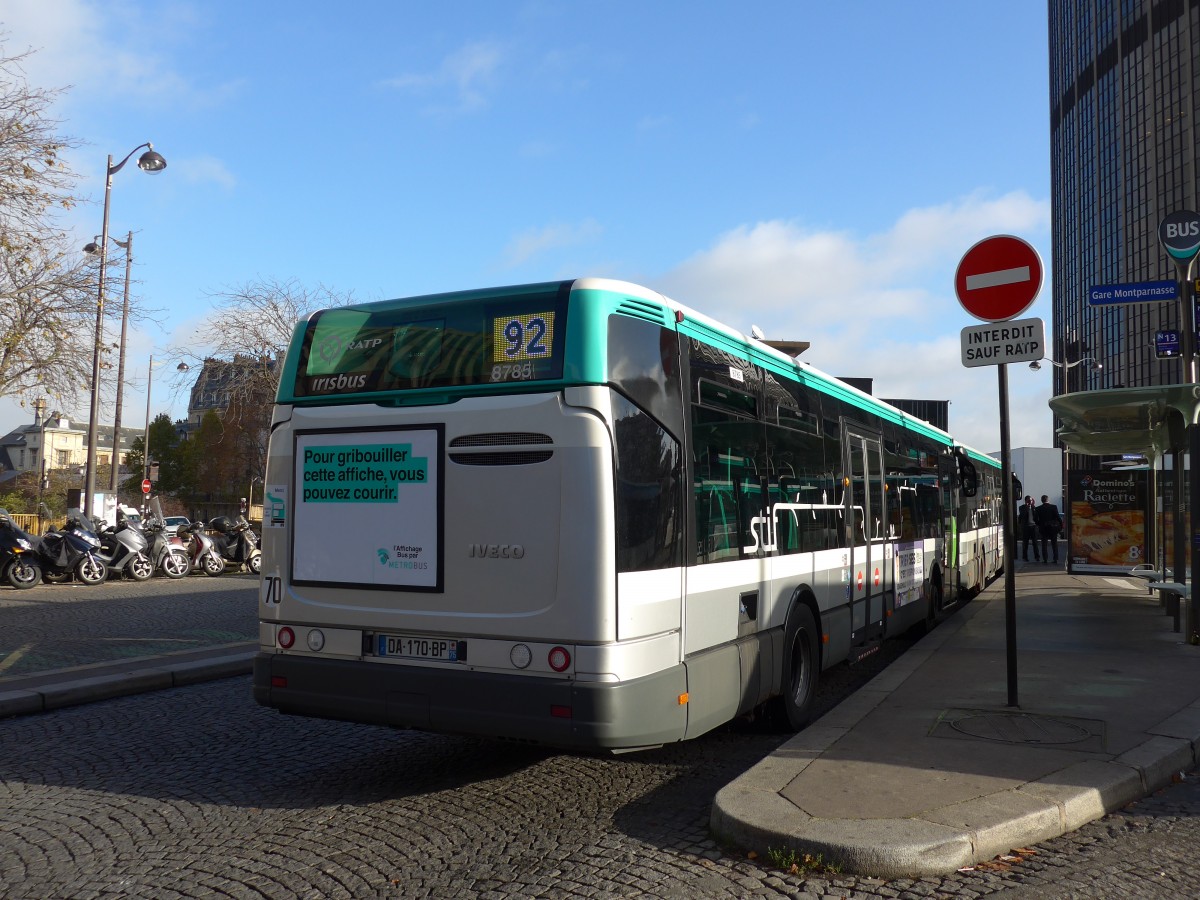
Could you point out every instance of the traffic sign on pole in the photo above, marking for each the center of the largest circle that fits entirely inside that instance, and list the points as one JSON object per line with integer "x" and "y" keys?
{"x": 998, "y": 278}
{"x": 1179, "y": 234}
{"x": 145, "y": 485}
{"x": 997, "y": 344}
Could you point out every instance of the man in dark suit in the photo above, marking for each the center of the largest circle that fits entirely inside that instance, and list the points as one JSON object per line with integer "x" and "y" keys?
{"x": 1028, "y": 533}
{"x": 1049, "y": 523}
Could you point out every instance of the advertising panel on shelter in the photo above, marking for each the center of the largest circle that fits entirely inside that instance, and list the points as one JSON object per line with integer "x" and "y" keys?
{"x": 1107, "y": 520}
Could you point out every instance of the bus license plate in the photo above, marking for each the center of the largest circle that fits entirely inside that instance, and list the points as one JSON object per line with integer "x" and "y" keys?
{"x": 412, "y": 646}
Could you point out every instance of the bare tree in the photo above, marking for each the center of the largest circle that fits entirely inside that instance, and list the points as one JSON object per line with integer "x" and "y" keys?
{"x": 47, "y": 316}
{"x": 35, "y": 183}
{"x": 236, "y": 358}
{"x": 249, "y": 329}
{"x": 47, "y": 291}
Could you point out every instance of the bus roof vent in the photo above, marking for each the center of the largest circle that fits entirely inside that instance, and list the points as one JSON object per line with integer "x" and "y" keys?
{"x": 644, "y": 309}
{"x": 500, "y": 438}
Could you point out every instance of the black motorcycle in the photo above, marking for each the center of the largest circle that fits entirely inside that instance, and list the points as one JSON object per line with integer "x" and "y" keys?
{"x": 73, "y": 550}
{"x": 236, "y": 542}
{"x": 124, "y": 550}
{"x": 18, "y": 559}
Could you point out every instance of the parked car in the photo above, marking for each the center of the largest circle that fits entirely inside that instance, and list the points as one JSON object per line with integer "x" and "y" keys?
{"x": 173, "y": 523}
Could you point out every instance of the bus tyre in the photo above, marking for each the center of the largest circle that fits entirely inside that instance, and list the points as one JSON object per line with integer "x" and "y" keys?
{"x": 801, "y": 670}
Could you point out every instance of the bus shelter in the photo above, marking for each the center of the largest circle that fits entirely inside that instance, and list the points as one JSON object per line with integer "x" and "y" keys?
{"x": 1151, "y": 421}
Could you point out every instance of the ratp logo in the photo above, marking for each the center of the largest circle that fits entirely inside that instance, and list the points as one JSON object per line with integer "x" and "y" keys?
{"x": 383, "y": 556}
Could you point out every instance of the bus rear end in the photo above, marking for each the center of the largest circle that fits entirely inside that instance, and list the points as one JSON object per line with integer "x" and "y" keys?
{"x": 438, "y": 532}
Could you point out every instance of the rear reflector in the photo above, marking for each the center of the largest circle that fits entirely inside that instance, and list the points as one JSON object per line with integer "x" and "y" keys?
{"x": 560, "y": 712}
{"x": 279, "y": 681}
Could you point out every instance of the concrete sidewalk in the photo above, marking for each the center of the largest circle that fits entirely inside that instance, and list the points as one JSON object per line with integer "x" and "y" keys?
{"x": 54, "y": 689}
{"x": 927, "y": 769}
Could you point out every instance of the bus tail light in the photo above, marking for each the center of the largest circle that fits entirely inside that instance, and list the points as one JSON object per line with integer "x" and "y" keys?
{"x": 560, "y": 712}
{"x": 559, "y": 659}
{"x": 279, "y": 681}
{"x": 285, "y": 637}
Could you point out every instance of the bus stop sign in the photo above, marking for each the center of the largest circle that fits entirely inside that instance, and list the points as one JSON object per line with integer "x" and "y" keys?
{"x": 998, "y": 278}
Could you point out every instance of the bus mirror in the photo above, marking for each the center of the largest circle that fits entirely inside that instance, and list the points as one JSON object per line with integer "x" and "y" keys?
{"x": 968, "y": 478}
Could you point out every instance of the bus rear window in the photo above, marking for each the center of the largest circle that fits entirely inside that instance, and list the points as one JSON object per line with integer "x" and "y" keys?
{"x": 450, "y": 343}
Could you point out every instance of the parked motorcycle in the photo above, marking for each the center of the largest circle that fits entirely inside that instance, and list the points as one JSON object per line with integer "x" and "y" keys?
{"x": 73, "y": 550}
{"x": 123, "y": 550}
{"x": 18, "y": 560}
{"x": 201, "y": 550}
{"x": 236, "y": 542}
{"x": 167, "y": 552}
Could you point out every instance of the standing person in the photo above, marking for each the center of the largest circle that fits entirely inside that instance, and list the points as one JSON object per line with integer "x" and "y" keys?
{"x": 1048, "y": 523}
{"x": 1028, "y": 533}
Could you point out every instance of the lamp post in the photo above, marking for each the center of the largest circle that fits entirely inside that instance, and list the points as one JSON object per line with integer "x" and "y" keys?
{"x": 44, "y": 474}
{"x": 150, "y": 161}
{"x": 127, "y": 246}
{"x": 250, "y": 494}
{"x": 182, "y": 367}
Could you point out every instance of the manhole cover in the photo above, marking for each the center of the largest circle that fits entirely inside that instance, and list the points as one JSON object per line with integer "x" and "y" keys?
{"x": 1021, "y": 728}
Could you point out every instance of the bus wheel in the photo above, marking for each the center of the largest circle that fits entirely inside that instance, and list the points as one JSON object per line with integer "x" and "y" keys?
{"x": 801, "y": 671}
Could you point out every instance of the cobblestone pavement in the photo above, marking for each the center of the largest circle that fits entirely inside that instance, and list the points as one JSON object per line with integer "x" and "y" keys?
{"x": 55, "y": 626}
{"x": 198, "y": 792}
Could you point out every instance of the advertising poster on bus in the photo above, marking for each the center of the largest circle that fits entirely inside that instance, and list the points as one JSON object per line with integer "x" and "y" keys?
{"x": 367, "y": 508}
{"x": 1107, "y": 520}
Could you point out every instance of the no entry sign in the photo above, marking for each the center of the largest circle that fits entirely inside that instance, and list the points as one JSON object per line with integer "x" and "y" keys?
{"x": 998, "y": 278}
{"x": 145, "y": 485}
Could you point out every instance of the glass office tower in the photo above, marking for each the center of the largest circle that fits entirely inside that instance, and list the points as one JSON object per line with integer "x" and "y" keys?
{"x": 1124, "y": 133}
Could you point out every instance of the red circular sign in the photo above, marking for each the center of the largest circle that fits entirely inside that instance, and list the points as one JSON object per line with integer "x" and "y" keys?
{"x": 145, "y": 485}
{"x": 998, "y": 278}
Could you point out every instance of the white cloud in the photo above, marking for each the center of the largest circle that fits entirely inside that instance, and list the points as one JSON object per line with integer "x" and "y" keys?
{"x": 468, "y": 72}
{"x": 106, "y": 51}
{"x": 536, "y": 241}
{"x": 878, "y": 306}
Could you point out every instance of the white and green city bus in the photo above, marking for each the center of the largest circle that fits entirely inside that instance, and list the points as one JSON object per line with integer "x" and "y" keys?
{"x": 583, "y": 515}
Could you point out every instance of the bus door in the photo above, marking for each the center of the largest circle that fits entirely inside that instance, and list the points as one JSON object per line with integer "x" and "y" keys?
{"x": 948, "y": 485}
{"x": 871, "y": 546}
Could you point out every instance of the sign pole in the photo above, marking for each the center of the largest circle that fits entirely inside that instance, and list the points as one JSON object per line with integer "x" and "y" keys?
{"x": 1179, "y": 234}
{"x": 1010, "y": 580}
{"x": 1189, "y": 325}
{"x": 997, "y": 279}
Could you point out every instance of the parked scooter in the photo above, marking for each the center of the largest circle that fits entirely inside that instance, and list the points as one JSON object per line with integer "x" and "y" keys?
{"x": 236, "y": 542}
{"x": 73, "y": 550}
{"x": 123, "y": 550}
{"x": 201, "y": 550}
{"x": 18, "y": 560}
{"x": 167, "y": 552}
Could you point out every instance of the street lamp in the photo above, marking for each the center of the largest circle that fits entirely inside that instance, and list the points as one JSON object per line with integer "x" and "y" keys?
{"x": 182, "y": 367}
{"x": 127, "y": 246}
{"x": 250, "y": 494}
{"x": 150, "y": 161}
{"x": 44, "y": 474}
{"x": 1095, "y": 366}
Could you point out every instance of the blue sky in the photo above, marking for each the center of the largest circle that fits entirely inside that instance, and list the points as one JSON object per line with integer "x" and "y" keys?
{"x": 816, "y": 169}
